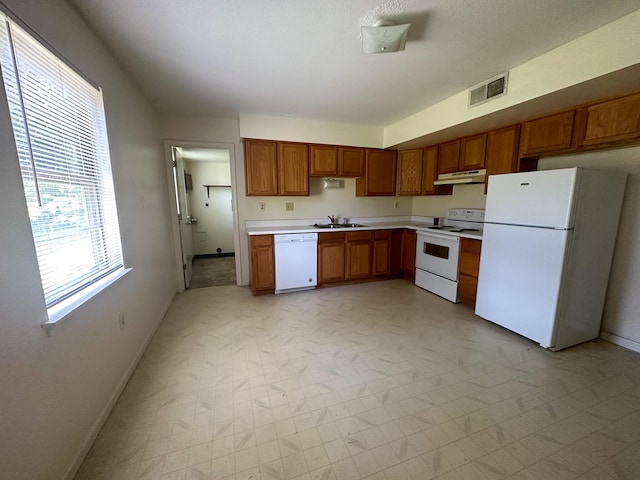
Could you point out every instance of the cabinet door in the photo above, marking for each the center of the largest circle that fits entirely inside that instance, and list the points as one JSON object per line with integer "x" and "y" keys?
{"x": 350, "y": 161}
{"x": 409, "y": 240}
{"x": 381, "y": 251}
{"x": 448, "y": 156}
{"x": 331, "y": 262}
{"x": 469, "y": 267}
{"x": 263, "y": 270}
{"x": 609, "y": 122}
{"x": 430, "y": 174}
{"x": 502, "y": 150}
{"x": 395, "y": 254}
{"x": 472, "y": 152}
{"x": 293, "y": 169}
{"x": 548, "y": 134}
{"x": 379, "y": 174}
{"x": 261, "y": 167}
{"x": 324, "y": 160}
{"x": 409, "y": 172}
{"x": 359, "y": 254}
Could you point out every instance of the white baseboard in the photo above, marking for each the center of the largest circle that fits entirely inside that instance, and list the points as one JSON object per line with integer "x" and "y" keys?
{"x": 623, "y": 342}
{"x": 76, "y": 462}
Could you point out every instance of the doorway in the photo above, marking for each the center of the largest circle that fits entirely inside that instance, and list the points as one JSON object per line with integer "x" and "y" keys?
{"x": 203, "y": 213}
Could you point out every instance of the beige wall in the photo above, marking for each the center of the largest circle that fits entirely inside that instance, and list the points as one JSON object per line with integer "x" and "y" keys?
{"x": 609, "y": 48}
{"x": 621, "y": 319}
{"x": 55, "y": 392}
{"x": 309, "y": 131}
{"x": 464, "y": 196}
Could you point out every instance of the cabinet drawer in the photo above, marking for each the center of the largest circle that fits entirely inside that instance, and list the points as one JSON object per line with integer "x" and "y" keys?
{"x": 331, "y": 237}
{"x": 261, "y": 240}
{"x": 359, "y": 236}
{"x": 381, "y": 234}
{"x": 470, "y": 245}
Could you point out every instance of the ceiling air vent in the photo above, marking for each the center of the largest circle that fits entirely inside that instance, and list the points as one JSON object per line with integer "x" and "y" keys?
{"x": 493, "y": 88}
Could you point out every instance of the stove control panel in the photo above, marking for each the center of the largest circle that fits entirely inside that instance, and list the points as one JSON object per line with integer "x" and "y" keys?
{"x": 466, "y": 214}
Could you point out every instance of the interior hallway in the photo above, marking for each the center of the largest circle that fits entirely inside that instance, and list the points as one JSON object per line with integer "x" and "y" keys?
{"x": 378, "y": 380}
{"x": 213, "y": 272}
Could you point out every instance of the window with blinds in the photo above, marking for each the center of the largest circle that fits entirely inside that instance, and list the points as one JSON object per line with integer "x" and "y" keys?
{"x": 60, "y": 133}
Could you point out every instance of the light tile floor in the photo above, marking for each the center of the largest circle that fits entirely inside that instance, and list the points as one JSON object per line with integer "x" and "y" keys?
{"x": 378, "y": 381}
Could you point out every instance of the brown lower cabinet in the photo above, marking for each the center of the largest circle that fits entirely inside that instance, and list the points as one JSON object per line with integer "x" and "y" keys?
{"x": 359, "y": 254}
{"x": 263, "y": 267}
{"x": 342, "y": 257}
{"x": 408, "y": 259}
{"x": 381, "y": 252}
{"x": 331, "y": 257}
{"x": 469, "y": 268}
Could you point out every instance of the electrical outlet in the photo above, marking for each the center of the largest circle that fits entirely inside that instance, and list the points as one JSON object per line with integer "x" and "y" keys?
{"x": 263, "y": 207}
{"x": 396, "y": 204}
{"x": 121, "y": 321}
{"x": 289, "y": 206}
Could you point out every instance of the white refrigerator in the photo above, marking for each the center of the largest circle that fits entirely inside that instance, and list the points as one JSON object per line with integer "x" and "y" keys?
{"x": 547, "y": 247}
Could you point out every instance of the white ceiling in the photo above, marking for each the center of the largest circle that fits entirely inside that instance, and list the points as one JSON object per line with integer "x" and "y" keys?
{"x": 303, "y": 58}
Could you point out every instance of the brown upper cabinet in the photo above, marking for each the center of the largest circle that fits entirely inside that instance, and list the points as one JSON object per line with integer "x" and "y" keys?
{"x": 276, "y": 168}
{"x": 323, "y": 160}
{"x": 608, "y": 122}
{"x": 430, "y": 173}
{"x": 462, "y": 154}
{"x": 350, "y": 161}
{"x": 547, "y": 134}
{"x": 334, "y": 161}
{"x": 502, "y": 150}
{"x": 448, "y": 156}
{"x": 410, "y": 172}
{"x": 472, "y": 152}
{"x": 379, "y": 174}
{"x": 261, "y": 165}
{"x": 293, "y": 169}
{"x": 417, "y": 170}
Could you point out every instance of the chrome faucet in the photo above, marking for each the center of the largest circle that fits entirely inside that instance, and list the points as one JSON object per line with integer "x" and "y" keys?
{"x": 333, "y": 219}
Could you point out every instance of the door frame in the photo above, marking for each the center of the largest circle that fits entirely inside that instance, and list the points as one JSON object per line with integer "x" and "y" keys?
{"x": 173, "y": 210}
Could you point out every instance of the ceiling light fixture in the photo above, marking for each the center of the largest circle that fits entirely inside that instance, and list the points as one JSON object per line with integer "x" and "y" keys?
{"x": 384, "y": 37}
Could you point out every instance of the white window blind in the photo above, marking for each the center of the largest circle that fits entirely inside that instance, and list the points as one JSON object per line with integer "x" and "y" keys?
{"x": 60, "y": 133}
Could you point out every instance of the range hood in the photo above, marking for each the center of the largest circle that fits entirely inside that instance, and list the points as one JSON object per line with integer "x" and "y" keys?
{"x": 472, "y": 176}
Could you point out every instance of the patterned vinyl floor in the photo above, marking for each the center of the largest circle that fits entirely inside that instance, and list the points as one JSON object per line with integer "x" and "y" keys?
{"x": 378, "y": 381}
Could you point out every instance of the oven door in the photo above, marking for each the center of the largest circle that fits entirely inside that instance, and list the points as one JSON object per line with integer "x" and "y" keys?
{"x": 438, "y": 254}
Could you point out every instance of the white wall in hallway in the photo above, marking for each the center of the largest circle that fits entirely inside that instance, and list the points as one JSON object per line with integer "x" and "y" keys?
{"x": 212, "y": 207}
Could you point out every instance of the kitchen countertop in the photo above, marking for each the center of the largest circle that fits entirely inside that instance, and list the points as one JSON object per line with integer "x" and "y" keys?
{"x": 418, "y": 226}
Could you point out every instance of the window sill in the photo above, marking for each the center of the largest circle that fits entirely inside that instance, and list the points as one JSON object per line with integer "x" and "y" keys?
{"x": 62, "y": 310}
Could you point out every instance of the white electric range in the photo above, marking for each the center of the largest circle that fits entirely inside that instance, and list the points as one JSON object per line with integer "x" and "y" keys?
{"x": 438, "y": 251}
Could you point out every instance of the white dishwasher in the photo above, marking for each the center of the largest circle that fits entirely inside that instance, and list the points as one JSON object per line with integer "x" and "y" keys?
{"x": 296, "y": 261}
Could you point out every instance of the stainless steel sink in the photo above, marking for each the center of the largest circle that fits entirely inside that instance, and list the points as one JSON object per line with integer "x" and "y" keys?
{"x": 337, "y": 225}
{"x": 326, "y": 225}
